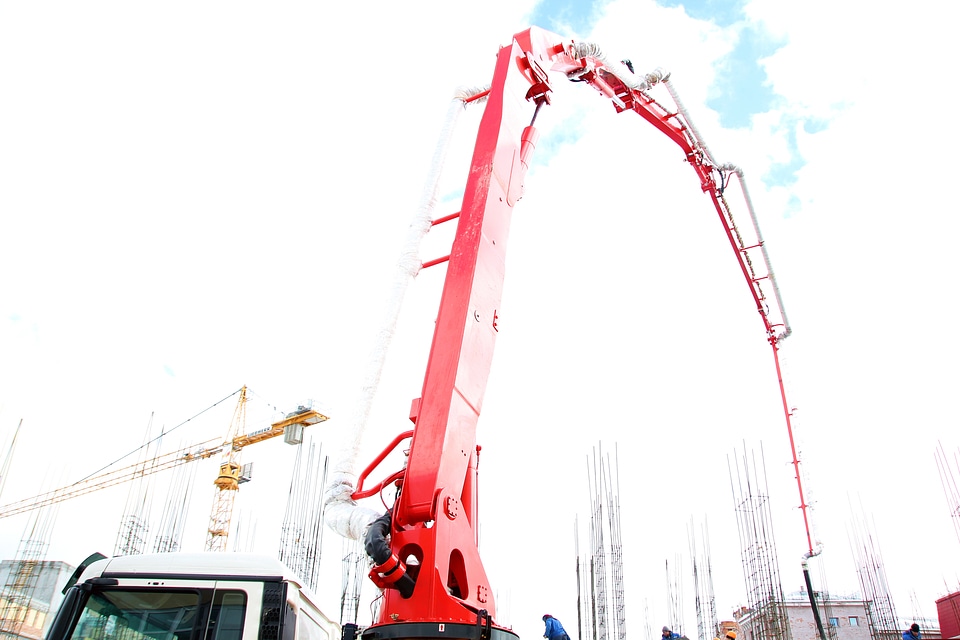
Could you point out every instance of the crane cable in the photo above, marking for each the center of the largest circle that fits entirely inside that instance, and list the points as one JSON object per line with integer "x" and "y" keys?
{"x": 127, "y": 455}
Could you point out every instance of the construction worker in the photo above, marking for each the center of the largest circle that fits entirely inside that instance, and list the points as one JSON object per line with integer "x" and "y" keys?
{"x": 913, "y": 633}
{"x": 668, "y": 634}
{"x": 554, "y": 630}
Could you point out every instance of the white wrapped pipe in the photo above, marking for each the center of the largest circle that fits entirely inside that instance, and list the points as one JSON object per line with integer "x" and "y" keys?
{"x": 732, "y": 168}
{"x": 341, "y": 512}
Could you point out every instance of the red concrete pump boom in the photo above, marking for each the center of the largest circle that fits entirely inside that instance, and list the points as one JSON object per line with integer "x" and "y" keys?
{"x": 426, "y": 548}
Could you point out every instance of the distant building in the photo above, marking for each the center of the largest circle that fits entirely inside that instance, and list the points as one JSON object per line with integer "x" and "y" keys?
{"x": 29, "y": 596}
{"x": 842, "y": 619}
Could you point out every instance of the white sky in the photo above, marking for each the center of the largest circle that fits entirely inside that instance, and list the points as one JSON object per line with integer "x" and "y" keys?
{"x": 198, "y": 197}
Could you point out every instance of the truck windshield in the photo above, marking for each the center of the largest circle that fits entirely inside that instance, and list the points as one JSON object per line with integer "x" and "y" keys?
{"x": 161, "y": 614}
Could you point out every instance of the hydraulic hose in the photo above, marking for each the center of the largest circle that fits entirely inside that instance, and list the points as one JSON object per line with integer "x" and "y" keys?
{"x": 389, "y": 568}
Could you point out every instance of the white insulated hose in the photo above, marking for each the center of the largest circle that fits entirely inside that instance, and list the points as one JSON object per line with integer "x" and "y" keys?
{"x": 341, "y": 512}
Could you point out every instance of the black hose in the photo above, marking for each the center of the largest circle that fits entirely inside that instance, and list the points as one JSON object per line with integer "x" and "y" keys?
{"x": 813, "y": 603}
{"x": 375, "y": 544}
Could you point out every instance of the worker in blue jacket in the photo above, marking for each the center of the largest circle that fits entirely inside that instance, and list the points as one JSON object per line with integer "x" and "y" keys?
{"x": 669, "y": 634}
{"x": 554, "y": 630}
{"x": 913, "y": 633}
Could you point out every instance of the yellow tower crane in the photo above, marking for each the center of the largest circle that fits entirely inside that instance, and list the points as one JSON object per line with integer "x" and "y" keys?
{"x": 229, "y": 478}
{"x": 232, "y": 474}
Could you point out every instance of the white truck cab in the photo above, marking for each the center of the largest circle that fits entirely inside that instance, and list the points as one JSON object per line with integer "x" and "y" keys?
{"x": 189, "y": 596}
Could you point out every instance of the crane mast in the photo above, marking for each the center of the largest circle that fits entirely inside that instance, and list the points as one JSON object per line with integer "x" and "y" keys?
{"x": 227, "y": 482}
{"x": 425, "y": 548}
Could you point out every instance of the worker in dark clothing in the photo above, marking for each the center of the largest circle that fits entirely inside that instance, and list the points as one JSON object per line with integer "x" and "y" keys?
{"x": 913, "y": 633}
{"x": 668, "y": 634}
{"x": 554, "y": 630}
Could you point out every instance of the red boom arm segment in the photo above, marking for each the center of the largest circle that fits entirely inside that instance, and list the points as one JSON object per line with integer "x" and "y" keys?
{"x": 433, "y": 528}
{"x": 439, "y": 484}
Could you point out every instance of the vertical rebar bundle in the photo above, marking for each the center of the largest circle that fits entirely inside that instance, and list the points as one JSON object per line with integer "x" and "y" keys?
{"x": 602, "y": 574}
{"x": 950, "y": 489}
{"x": 131, "y": 536}
{"x": 18, "y": 590}
{"x": 767, "y": 618}
{"x": 616, "y": 554}
{"x": 675, "y": 595}
{"x": 698, "y": 601}
{"x": 708, "y": 627}
{"x": 354, "y": 563}
{"x": 598, "y": 561}
{"x": 169, "y": 538}
{"x": 135, "y": 521}
{"x": 647, "y": 627}
{"x": 302, "y": 530}
{"x": 21, "y": 583}
{"x": 878, "y": 604}
{"x": 580, "y": 583}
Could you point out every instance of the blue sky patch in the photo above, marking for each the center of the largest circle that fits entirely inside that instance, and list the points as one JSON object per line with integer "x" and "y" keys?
{"x": 815, "y": 125}
{"x": 785, "y": 173}
{"x": 560, "y": 15}
{"x": 721, "y": 12}
{"x": 741, "y": 89}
